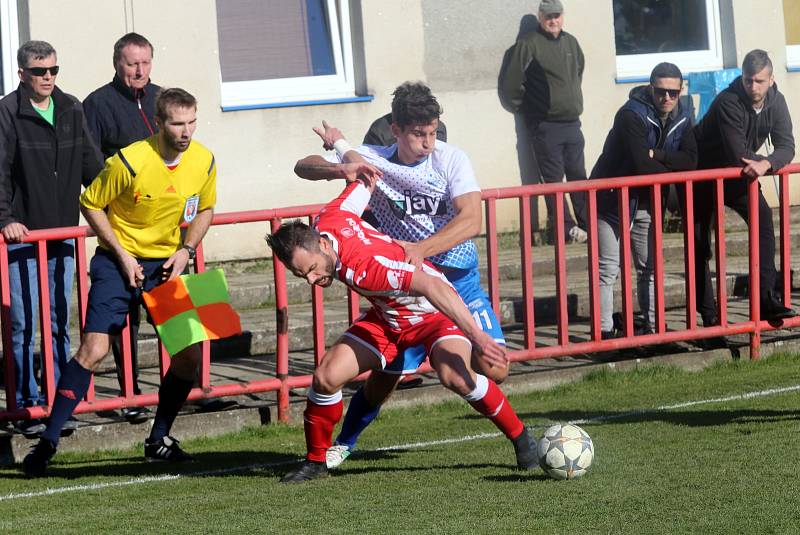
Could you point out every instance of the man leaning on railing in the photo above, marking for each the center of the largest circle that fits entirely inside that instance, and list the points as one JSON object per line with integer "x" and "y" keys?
{"x": 737, "y": 124}
{"x": 652, "y": 133}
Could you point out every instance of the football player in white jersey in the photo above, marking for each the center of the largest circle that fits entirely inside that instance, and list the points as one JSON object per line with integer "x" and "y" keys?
{"x": 429, "y": 201}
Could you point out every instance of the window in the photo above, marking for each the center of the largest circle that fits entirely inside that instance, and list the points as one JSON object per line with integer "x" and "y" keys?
{"x": 791, "y": 19}
{"x": 9, "y": 43}
{"x": 683, "y": 32}
{"x": 274, "y": 52}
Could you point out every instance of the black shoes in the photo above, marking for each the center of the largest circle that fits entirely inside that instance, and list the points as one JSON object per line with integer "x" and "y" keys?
{"x": 772, "y": 309}
{"x": 165, "y": 449}
{"x": 525, "y": 451}
{"x": 136, "y": 415}
{"x": 35, "y": 463}
{"x": 307, "y": 471}
{"x": 30, "y": 428}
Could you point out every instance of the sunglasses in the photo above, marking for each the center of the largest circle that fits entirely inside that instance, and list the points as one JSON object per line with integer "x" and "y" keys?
{"x": 40, "y": 71}
{"x": 662, "y": 92}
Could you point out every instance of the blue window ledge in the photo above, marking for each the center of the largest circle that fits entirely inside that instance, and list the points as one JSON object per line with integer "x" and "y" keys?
{"x": 320, "y": 102}
{"x": 793, "y": 69}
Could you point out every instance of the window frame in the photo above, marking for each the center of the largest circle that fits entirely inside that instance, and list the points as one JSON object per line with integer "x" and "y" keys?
{"x": 793, "y": 57}
{"x": 296, "y": 90}
{"x": 9, "y": 44}
{"x": 638, "y": 66}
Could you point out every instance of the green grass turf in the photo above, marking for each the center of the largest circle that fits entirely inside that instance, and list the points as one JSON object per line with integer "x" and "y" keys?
{"x": 721, "y": 467}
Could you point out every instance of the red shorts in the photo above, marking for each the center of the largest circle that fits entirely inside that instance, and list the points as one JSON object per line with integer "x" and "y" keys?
{"x": 373, "y": 332}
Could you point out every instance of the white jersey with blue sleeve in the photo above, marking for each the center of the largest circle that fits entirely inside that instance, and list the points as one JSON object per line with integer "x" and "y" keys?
{"x": 412, "y": 202}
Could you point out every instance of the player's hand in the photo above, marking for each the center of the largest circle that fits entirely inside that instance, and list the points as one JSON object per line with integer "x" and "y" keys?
{"x": 489, "y": 350}
{"x": 14, "y": 232}
{"x": 175, "y": 264}
{"x": 132, "y": 270}
{"x": 329, "y": 134}
{"x": 414, "y": 252}
{"x": 366, "y": 173}
{"x": 755, "y": 168}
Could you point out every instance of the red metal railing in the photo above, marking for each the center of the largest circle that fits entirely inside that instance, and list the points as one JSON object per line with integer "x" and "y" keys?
{"x": 283, "y": 381}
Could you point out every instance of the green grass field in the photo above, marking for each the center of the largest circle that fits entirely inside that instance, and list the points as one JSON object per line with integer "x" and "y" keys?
{"x": 677, "y": 452}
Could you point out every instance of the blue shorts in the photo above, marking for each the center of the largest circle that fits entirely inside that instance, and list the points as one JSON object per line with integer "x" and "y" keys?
{"x": 467, "y": 283}
{"x": 110, "y": 295}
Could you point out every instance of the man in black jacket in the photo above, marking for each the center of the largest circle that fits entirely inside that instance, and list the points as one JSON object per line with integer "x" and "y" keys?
{"x": 120, "y": 113}
{"x": 542, "y": 82}
{"x": 652, "y": 133}
{"x": 738, "y": 122}
{"x": 46, "y": 154}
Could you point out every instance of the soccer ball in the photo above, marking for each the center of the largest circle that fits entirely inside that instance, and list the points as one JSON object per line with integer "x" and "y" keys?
{"x": 565, "y": 451}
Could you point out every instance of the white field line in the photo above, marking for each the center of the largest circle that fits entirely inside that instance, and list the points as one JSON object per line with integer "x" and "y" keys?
{"x": 413, "y": 445}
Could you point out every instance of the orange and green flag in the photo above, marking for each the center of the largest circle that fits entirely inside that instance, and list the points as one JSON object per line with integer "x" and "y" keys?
{"x": 192, "y": 308}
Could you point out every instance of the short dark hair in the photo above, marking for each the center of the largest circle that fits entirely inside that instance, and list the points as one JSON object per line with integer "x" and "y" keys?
{"x": 131, "y": 38}
{"x": 414, "y": 103}
{"x": 665, "y": 70}
{"x": 755, "y": 61}
{"x": 173, "y": 96}
{"x": 33, "y": 50}
{"x": 289, "y": 237}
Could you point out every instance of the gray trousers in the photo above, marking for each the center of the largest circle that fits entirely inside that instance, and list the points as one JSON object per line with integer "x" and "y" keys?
{"x": 609, "y": 255}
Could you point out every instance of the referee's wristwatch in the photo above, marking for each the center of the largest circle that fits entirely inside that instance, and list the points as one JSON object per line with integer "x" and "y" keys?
{"x": 191, "y": 250}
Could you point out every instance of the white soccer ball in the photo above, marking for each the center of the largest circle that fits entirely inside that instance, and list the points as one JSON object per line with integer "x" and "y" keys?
{"x": 565, "y": 451}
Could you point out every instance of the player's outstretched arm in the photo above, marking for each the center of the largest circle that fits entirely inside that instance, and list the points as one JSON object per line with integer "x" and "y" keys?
{"x": 447, "y": 301}
{"x": 316, "y": 167}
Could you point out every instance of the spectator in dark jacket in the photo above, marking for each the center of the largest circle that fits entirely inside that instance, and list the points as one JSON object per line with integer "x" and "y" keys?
{"x": 120, "y": 113}
{"x": 652, "y": 133}
{"x": 542, "y": 81}
{"x": 46, "y": 154}
{"x": 738, "y": 122}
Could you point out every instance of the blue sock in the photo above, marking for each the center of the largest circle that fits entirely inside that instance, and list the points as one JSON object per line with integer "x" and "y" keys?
{"x": 359, "y": 415}
{"x": 171, "y": 397}
{"x": 72, "y": 387}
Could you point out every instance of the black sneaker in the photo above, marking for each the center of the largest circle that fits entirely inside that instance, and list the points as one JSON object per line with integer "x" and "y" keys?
{"x": 525, "y": 450}
{"x": 71, "y": 424}
{"x": 30, "y": 428}
{"x": 136, "y": 415}
{"x": 35, "y": 463}
{"x": 307, "y": 471}
{"x": 772, "y": 309}
{"x": 165, "y": 449}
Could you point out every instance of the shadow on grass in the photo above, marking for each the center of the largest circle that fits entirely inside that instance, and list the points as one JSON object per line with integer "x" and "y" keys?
{"x": 216, "y": 464}
{"x": 682, "y": 418}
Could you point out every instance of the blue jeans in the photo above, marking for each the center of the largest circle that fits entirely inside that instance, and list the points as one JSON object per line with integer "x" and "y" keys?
{"x": 25, "y": 311}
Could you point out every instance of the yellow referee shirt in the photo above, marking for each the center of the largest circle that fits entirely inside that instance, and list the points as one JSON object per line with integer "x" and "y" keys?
{"x": 147, "y": 201}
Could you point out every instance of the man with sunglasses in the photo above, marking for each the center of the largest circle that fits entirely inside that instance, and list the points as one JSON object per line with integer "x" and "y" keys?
{"x": 45, "y": 155}
{"x": 652, "y": 133}
{"x": 542, "y": 81}
{"x": 737, "y": 124}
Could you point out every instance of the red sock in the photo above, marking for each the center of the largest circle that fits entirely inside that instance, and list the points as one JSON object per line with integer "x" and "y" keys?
{"x": 490, "y": 401}
{"x": 319, "y": 421}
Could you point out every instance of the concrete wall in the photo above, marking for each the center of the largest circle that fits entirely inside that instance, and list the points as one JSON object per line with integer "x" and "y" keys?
{"x": 455, "y": 46}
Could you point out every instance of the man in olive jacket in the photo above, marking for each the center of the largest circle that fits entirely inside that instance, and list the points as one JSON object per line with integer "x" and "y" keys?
{"x": 738, "y": 122}
{"x": 542, "y": 81}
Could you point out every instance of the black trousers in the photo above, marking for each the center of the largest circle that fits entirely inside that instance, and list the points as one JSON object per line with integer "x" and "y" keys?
{"x": 558, "y": 147}
{"x": 735, "y": 197}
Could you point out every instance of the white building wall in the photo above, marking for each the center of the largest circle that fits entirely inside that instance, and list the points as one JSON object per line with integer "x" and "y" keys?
{"x": 454, "y": 45}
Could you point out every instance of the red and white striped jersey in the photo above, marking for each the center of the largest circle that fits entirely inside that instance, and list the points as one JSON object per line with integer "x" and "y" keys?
{"x": 369, "y": 261}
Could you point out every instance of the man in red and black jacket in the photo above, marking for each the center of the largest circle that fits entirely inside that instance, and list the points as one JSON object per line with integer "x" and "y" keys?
{"x": 120, "y": 113}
